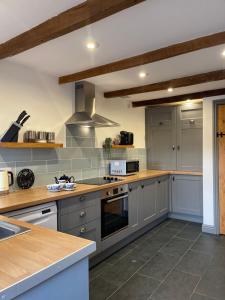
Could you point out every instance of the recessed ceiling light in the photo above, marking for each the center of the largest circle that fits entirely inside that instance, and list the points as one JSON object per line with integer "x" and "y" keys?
{"x": 92, "y": 45}
{"x": 143, "y": 74}
{"x": 223, "y": 53}
{"x": 170, "y": 90}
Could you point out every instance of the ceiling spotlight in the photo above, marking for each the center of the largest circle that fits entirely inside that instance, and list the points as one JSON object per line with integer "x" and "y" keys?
{"x": 142, "y": 74}
{"x": 170, "y": 90}
{"x": 92, "y": 45}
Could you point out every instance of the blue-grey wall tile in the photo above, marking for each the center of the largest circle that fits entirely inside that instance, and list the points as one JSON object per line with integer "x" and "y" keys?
{"x": 83, "y": 142}
{"x": 70, "y": 153}
{"x": 44, "y": 154}
{"x": 36, "y": 166}
{"x": 59, "y": 165}
{"x": 81, "y": 163}
{"x": 90, "y": 173}
{"x": 44, "y": 179}
{"x": 11, "y": 155}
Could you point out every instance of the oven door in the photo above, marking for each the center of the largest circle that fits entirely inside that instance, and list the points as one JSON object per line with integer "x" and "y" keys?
{"x": 114, "y": 214}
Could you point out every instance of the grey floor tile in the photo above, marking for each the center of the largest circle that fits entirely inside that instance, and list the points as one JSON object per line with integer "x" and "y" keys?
{"x": 122, "y": 271}
{"x": 178, "y": 286}
{"x": 210, "y": 244}
{"x": 213, "y": 283}
{"x": 97, "y": 270}
{"x": 113, "y": 259}
{"x": 176, "y": 224}
{"x": 201, "y": 297}
{"x": 176, "y": 247}
{"x": 101, "y": 289}
{"x": 194, "y": 263}
{"x": 137, "y": 288}
{"x": 159, "y": 266}
{"x": 146, "y": 250}
{"x": 190, "y": 232}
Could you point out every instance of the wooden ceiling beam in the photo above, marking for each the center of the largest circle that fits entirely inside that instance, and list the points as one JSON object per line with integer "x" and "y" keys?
{"x": 178, "y": 98}
{"x": 174, "y": 83}
{"x": 72, "y": 19}
{"x": 149, "y": 57}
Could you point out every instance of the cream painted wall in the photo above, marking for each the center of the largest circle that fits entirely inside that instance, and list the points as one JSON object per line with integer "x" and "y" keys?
{"x": 51, "y": 104}
{"x": 48, "y": 103}
{"x": 120, "y": 111}
{"x": 208, "y": 162}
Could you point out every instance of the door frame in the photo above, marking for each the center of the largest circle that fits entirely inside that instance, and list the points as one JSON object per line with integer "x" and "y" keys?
{"x": 216, "y": 103}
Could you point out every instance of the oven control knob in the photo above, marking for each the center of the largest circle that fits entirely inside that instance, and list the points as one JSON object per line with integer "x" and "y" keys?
{"x": 108, "y": 193}
{"x": 121, "y": 189}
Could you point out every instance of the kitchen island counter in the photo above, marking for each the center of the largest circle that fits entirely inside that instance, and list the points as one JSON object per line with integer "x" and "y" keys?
{"x": 39, "y": 258}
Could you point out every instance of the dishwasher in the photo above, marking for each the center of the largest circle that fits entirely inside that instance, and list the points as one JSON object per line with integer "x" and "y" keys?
{"x": 43, "y": 215}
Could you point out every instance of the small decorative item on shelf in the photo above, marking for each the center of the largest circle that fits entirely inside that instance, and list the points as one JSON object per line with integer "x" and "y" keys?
{"x": 116, "y": 140}
{"x": 108, "y": 146}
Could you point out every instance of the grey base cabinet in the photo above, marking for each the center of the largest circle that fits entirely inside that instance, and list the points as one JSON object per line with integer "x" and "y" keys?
{"x": 148, "y": 200}
{"x": 186, "y": 197}
{"x": 80, "y": 216}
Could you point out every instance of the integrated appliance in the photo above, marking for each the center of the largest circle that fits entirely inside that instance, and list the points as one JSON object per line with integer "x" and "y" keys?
{"x": 100, "y": 180}
{"x": 114, "y": 210}
{"x": 85, "y": 108}
{"x": 124, "y": 167}
{"x": 126, "y": 138}
{"x": 4, "y": 181}
{"x": 44, "y": 215}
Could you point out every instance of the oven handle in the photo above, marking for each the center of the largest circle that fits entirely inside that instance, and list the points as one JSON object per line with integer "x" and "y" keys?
{"x": 116, "y": 199}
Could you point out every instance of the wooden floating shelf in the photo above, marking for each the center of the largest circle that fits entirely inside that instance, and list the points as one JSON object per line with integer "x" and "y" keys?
{"x": 13, "y": 145}
{"x": 122, "y": 146}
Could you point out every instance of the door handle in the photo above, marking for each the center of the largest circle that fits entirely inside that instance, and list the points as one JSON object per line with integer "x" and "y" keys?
{"x": 173, "y": 147}
{"x": 178, "y": 148}
{"x": 142, "y": 186}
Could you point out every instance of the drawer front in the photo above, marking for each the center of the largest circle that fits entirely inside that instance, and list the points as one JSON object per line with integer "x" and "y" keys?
{"x": 90, "y": 231}
{"x": 81, "y": 216}
{"x": 69, "y": 205}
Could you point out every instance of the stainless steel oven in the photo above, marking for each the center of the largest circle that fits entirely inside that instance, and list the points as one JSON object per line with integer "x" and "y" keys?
{"x": 114, "y": 210}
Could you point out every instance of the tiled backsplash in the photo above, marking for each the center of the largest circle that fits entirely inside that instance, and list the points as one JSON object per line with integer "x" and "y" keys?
{"x": 79, "y": 158}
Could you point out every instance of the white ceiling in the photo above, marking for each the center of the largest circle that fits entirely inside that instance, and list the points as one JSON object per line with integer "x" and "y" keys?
{"x": 144, "y": 27}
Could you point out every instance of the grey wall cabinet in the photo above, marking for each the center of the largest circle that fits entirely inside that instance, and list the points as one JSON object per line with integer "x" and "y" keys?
{"x": 186, "y": 197}
{"x": 161, "y": 138}
{"x": 189, "y": 138}
{"x": 174, "y": 137}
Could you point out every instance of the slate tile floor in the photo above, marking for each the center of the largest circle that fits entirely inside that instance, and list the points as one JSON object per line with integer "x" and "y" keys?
{"x": 174, "y": 261}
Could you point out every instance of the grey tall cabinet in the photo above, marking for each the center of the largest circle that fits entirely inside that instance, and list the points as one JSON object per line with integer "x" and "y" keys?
{"x": 174, "y": 137}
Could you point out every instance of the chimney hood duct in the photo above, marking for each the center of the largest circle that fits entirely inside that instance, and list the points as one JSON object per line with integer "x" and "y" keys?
{"x": 85, "y": 108}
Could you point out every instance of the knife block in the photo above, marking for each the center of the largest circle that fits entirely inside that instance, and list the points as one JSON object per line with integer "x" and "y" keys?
{"x": 12, "y": 133}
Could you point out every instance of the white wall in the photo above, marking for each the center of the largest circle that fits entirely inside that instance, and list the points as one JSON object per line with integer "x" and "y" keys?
{"x": 51, "y": 104}
{"x": 208, "y": 161}
{"x": 48, "y": 103}
{"x": 120, "y": 111}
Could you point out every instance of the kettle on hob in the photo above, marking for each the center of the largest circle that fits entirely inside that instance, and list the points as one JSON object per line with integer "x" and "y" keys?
{"x": 5, "y": 183}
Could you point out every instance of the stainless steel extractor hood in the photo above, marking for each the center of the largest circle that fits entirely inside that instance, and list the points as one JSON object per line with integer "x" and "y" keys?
{"x": 85, "y": 108}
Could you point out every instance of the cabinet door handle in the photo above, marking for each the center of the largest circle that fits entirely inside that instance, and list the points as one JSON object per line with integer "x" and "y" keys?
{"x": 173, "y": 178}
{"x": 159, "y": 181}
{"x": 130, "y": 189}
{"x": 173, "y": 147}
{"x": 178, "y": 148}
{"x": 142, "y": 186}
{"x": 82, "y": 214}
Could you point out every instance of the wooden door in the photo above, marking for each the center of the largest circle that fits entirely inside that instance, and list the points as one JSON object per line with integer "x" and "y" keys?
{"x": 221, "y": 146}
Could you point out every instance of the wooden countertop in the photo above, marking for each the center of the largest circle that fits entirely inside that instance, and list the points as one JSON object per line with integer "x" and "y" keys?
{"x": 25, "y": 198}
{"x": 24, "y": 258}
